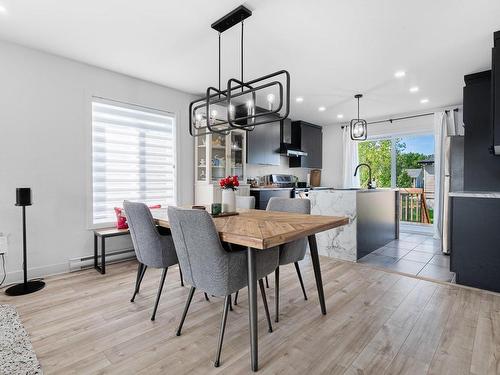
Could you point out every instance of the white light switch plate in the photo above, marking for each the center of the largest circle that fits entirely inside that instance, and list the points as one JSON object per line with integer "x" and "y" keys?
{"x": 3, "y": 245}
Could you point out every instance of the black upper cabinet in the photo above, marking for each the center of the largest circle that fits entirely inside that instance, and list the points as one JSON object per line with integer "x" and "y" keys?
{"x": 481, "y": 168}
{"x": 263, "y": 144}
{"x": 310, "y": 139}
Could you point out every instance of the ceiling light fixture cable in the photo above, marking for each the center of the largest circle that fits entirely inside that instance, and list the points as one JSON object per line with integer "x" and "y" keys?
{"x": 219, "y": 64}
{"x": 242, "y": 22}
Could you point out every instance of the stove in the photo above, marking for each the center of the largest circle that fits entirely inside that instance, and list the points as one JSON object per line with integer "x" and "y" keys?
{"x": 279, "y": 180}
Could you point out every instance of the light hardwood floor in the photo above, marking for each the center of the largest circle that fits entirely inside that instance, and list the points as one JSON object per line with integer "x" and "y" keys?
{"x": 377, "y": 323}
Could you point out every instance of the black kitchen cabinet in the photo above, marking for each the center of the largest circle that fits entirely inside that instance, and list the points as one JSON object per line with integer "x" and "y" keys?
{"x": 475, "y": 255}
{"x": 263, "y": 144}
{"x": 262, "y": 196}
{"x": 481, "y": 168}
{"x": 496, "y": 93}
{"x": 310, "y": 138}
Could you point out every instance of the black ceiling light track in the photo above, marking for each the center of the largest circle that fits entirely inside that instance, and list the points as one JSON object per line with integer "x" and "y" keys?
{"x": 232, "y": 18}
{"x": 240, "y": 99}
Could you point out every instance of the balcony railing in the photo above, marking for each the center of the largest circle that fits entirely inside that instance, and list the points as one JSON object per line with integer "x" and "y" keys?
{"x": 413, "y": 206}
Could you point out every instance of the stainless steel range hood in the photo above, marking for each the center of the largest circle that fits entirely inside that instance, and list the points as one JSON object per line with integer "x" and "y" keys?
{"x": 290, "y": 152}
{"x": 290, "y": 140}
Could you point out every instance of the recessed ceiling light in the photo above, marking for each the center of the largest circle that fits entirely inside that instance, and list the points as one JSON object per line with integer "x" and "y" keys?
{"x": 322, "y": 109}
{"x": 414, "y": 89}
{"x": 340, "y": 115}
{"x": 424, "y": 100}
{"x": 299, "y": 99}
{"x": 400, "y": 74}
{"x": 3, "y": 9}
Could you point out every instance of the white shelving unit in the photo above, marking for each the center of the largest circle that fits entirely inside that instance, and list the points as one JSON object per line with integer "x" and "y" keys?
{"x": 218, "y": 156}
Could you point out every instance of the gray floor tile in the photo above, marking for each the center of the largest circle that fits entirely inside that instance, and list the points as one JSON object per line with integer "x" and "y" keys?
{"x": 402, "y": 245}
{"x": 418, "y": 256}
{"x": 379, "y": 250}
{"x": 436, "y": 272}
{"x": 392, "y": 252}
{"x": 407, "y": 266}
{"x": 431, "y": 241}
{"x": 416, "y": 238}
{"x": 441, "y": 260}
{"x": 433, "y": 249}
{"x": 377, "y": 260}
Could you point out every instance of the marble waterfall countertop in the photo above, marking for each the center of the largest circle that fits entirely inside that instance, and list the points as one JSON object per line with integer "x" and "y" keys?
{"x": 342, "y": 242}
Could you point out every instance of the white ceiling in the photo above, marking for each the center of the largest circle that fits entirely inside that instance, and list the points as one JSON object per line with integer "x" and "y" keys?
{"x": 333, "y": 49}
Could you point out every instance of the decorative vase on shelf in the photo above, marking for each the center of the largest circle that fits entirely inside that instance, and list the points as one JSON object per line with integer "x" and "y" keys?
{"x": 228, "y": 200}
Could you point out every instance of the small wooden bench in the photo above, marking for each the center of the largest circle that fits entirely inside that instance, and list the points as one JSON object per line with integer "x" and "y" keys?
{"x": 104, "y": 233}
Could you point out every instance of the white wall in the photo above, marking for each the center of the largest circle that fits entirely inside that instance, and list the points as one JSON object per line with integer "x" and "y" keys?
{"x": 331, "y": 174}
{"x": 45, "y": 145}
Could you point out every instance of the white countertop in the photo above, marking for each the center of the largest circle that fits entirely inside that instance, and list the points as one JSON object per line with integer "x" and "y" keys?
{"x": 269, "y": 188}
{"x": 475, "y": 194}
{"x": 376, "y": 190}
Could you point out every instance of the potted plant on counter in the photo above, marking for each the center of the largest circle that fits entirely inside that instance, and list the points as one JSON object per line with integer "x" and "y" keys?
{"x": 229, "y": 185}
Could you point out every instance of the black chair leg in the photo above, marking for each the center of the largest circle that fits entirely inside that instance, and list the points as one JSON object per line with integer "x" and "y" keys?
{"x": 160, "y": 288}
{"x": 186, "y": 308}
{"x": 206, "y": 297}
{"x": 266, "y": 308}
{"x": 277, "y": 294}
{"x": 141, "y": 270}
{"x": 267, "y": 282}
{"x": 227, "y": 302}
{"x": 300, "y": 279}
{"x": 236, "y": 298}
{"x": 182, "y": 279}
{"x": 230, "y": 304}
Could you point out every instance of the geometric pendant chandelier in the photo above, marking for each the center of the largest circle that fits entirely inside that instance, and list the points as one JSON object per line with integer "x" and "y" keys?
{"x": 358, "y": 126}
{"x": 242, "y": 105}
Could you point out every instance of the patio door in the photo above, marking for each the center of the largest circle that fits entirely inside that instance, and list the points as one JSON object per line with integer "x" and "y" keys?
{"x": 404, "y": 162}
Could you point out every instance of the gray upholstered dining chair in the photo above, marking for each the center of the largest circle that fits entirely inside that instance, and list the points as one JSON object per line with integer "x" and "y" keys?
{"x": 245, "y": 202}
{"x": 294, "y": 251}
{"x": 210, "y": 267}
{"x": 152, "y": 249}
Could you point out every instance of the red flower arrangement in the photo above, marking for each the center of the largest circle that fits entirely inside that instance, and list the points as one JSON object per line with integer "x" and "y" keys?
{"x": 230, "y": 182}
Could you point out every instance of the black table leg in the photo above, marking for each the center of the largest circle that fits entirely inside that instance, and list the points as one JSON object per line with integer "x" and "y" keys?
{"x": 103, "y": 255}
{"x": 252, "y": 310}
{"x": 313, "y": 247}
{"x": 95, "y": 251}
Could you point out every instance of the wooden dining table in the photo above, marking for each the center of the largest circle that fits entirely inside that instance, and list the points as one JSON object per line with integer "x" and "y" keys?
{"x": 257, "y": 230}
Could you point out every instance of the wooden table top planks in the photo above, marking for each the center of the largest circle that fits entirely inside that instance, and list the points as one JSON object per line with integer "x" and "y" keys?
{"x": 261, "y": 229}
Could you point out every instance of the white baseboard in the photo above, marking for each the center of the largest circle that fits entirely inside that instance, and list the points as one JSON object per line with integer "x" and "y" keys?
{"x": 36, "y": 273}
{"x": 78, "y": 264}
{"x": 71, "y": 265}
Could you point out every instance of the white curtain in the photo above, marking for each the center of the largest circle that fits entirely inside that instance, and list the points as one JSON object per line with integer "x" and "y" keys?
{"x": 350, "y": 160}
{"x": 446, "y": 124}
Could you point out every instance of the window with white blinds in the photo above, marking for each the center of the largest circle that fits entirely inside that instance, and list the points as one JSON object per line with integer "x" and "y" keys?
{"x": 133, "y": 155}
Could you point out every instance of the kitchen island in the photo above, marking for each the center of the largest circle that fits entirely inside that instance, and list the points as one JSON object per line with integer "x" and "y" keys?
{"x": 373, "y": 220}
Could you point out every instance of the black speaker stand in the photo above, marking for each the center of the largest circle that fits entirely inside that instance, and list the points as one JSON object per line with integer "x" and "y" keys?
{"x": 26, "y": 287}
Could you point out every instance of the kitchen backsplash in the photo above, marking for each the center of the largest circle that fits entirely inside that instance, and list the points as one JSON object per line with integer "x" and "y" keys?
{"x": 254, "y": 170}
